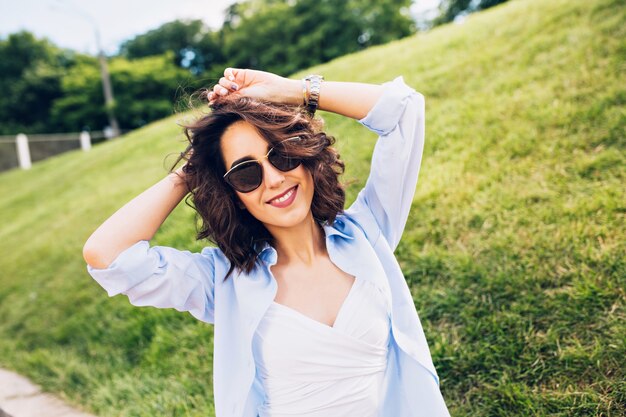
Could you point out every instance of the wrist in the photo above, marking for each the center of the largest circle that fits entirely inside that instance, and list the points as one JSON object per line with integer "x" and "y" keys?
{"x": 292, "y": 92}
{"x": 177, "y": 178}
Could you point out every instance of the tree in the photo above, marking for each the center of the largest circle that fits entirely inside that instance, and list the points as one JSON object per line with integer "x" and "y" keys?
{"x": 450, "y": 9}
{"x": 382, "y": 21}
{"x": 47, "y": 89}
{"x": 30, "y": 79}
{"x": 284, "y": 36}
{"x": 145, "y": 90}
{"x": 192, "y": 44}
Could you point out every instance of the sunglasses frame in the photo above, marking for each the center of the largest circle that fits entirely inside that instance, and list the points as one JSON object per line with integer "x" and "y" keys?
{"x": 258, "y": 161}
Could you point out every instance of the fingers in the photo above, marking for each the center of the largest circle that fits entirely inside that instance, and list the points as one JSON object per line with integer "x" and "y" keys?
{"x": 222, "y": 88}
{"x": 226, "y": 85}
{"x": 218, "y": 90}
{"x": 231, "y": 74}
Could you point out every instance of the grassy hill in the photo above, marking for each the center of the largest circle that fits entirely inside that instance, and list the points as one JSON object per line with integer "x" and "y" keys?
{"x": 515, "y": 249}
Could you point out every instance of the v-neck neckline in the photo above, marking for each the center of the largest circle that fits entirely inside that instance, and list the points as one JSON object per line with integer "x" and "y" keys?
{"x": 337, "y": 317}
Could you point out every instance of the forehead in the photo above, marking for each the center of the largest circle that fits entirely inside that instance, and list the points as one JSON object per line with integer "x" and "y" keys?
{"x": 240, "y": 140}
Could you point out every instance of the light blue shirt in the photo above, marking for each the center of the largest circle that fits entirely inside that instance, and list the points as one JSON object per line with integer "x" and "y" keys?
{"x": 361, "y": 242}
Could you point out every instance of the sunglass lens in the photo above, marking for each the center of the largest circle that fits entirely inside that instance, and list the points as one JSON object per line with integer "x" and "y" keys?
{"x": 246, "y": 178}
{"x": 283, "y": 161}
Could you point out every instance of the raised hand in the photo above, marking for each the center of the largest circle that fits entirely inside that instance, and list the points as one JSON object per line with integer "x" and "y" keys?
{"x": 255, "y": 84}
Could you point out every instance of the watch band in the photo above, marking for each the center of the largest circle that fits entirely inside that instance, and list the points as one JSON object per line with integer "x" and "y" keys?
{"x": 314, "y": 92}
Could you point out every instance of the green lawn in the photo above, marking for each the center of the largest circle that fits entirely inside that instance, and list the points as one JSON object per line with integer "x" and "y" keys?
{"x": 515, "y": 248}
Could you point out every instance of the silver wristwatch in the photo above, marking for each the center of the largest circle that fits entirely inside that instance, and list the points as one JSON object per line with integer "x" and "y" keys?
{"x": 314, "y": 92}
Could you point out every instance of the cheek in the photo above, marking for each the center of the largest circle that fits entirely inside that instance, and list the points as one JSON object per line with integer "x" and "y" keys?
{"x": 304, "y": 174}
{"x": 308, "y": 180}
{"x": 252, "y": 201}
{"x": 246, "y": 198}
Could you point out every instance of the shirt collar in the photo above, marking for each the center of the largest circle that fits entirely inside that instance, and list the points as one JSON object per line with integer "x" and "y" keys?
{"x": 268, "y": 254}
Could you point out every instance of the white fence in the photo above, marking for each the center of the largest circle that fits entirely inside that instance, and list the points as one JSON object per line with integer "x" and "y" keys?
{"x": 23, "y": 149}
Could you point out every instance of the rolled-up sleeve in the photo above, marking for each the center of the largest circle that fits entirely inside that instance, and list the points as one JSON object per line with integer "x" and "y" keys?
{"x": 163, "y": 277}
{"x": 382, "y": 206}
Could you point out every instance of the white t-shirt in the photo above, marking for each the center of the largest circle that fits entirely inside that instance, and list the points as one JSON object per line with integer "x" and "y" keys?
{"x": 310, "y": 369}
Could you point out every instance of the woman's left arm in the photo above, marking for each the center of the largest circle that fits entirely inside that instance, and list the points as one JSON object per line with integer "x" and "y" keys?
{"x": 349, "y": 99}
{"x": 393, "y": 110}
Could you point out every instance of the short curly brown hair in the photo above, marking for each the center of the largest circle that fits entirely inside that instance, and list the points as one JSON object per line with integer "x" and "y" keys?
{"x": 233, "y": 229}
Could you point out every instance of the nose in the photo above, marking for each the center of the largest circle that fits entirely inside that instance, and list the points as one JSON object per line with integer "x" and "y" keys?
{"x": 272, "y": 177}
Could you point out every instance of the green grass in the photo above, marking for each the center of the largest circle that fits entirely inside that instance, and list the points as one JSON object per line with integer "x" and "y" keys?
{"x": 515, "y": 248}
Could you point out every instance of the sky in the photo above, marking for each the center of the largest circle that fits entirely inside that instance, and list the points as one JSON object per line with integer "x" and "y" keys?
{"x": 71, "y": 23}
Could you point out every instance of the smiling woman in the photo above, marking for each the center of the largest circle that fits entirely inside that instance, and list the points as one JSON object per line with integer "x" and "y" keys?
{"x": 237, "y": 132}
{"x": 316, "y": 319}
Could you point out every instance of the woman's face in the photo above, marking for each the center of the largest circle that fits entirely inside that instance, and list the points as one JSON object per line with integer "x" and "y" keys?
{"x": 242, "y": 140}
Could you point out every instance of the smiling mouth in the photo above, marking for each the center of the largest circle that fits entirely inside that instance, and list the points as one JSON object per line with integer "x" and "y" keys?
{"x": 283, "y": 198}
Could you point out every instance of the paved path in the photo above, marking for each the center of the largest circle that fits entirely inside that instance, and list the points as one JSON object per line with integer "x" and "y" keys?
{"x": 21, "y": 398}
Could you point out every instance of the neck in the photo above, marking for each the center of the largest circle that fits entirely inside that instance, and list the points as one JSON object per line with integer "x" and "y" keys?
{"x": 299, "y": 244}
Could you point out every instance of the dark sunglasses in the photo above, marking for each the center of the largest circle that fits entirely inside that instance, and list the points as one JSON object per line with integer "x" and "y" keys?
{"x": 247, "y": 176}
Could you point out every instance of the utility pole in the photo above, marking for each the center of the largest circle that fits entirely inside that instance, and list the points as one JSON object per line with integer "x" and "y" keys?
{"x": 107, "y": 89}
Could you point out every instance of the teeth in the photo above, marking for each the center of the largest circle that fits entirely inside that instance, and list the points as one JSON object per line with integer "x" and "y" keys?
{"x": 283, "y": 198}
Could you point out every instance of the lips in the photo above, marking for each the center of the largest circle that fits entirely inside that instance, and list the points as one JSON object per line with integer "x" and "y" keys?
{"x": 281, "y": 194}
{"x": 290, "y": 192}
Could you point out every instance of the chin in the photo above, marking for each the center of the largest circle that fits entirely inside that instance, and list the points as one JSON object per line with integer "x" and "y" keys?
{"x": 291, "y": 219}
{"x": 286, "y": 218}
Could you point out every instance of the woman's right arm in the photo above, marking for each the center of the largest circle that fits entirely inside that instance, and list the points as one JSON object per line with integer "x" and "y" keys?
{"x": 121, "y": 260}
{"x": 138, "y": 220}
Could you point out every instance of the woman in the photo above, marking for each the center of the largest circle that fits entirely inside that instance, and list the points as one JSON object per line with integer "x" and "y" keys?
{"x": 311, "y": 311}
